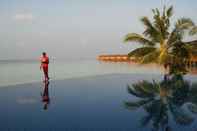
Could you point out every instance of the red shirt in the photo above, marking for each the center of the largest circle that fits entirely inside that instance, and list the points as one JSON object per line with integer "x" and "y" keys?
{"x": 44, "y": 61}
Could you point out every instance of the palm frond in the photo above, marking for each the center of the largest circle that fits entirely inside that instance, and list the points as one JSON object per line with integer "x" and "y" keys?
{"x": 145, "y": 120}
{"x": 194, "y": 88}
{"x": 180, "y": 116}
{"x": 133, "y": 37}
{"x": 192, "y": 108}
{"x": 184, "y": 24}
{"x": 132, "y": 105}
{"x": 193, "y": 31}
{"x": 158, "y": 34}
{"x": 193, "y": 94}
{"x": 140, "y": 52}
{"x": 139, "y": 91}
{"x": 193, "y": 46}
{"x": 174, "y": 37}
{"x": 169, "y": 11}
{"x": 132, "y": 91}
{"x": 156, "y": 12}
{"x": 181, "y": 51}
{"x": 149, "y": 87}
{"x": 150, "y": 31}
{"x": 162, "y": 24}
{"x": 177, "y": 33}
{"x": 150, "y": 57}
{"x": 160, "y": 116}
{"x": 164, "y": 13}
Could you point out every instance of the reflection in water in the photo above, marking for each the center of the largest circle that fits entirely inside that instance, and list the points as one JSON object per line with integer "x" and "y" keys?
{"x": 193, "y": 70}
{"x": 45, "y": 95}
{"x": 173, "y": 98}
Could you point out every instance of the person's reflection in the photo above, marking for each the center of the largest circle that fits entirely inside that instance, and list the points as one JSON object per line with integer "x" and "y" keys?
{"x": 45, "y": 95}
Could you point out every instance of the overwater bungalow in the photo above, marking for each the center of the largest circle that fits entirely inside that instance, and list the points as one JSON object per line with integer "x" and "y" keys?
{"x": 126, "y": 58}
{"x": 116, "y": 58}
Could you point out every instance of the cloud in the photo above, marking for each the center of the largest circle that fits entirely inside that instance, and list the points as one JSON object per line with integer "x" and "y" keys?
{"x": 23, "y": 17}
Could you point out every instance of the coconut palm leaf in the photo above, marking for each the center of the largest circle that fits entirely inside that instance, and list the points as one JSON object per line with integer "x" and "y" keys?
{"x": 136, "y": 93}
{"x": 181, "y": 50}
{"x": 157, "y": 113}
{"x": 180, "y": 116}
{"x": 194, "y": 88}
{"x": 158, "y": 119}
{"x": 169, "y": 11}
{"x": 150, "y": 31}
{"x": 139, "y": 91}
{"x": 180, "y": 94}
{"x": 193, "y": 31}
{"x": 161, "y": 117}
{"x": 193, "y": 94}
{"x": 184, "y": 24}
{"x": 149, "y": 87}
{"x": 132, "y": 105}
{"x": 162, "y": 24}
{"x": 174, "y": 37}
{"x": 140, "y": 52}
{"x": 146, "y": 119}
{"x": 177, "y": 34}
{"x": 168, "y": 44}
{"x": 151, "y": 57}
{"x": 192, "y": 108}
{"x": 192, "y": 47}
{"x": 133, "y": 37}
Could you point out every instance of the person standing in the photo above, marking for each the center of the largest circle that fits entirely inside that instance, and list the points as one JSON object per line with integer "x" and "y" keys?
{"x": 44, "y": 65}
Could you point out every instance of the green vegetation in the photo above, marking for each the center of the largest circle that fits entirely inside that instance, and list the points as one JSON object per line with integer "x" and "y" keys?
{"x": 162, "y": 43}
{"x": 171, "y": 99}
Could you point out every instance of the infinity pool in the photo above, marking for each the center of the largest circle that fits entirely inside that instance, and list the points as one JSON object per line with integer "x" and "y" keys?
{"x": 88, "y": 103}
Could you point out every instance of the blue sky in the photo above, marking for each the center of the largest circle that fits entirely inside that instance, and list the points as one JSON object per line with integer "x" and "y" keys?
{"x": 73, "y": 28}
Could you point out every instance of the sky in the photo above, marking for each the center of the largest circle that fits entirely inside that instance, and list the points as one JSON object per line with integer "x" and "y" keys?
{"x": 76, "y": 29}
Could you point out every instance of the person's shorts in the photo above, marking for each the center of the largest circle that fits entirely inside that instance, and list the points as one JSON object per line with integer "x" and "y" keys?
{"x": 45, "y": 68}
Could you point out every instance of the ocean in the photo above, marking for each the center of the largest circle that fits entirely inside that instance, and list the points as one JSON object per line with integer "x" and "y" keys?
{"x": 14, "y": 72}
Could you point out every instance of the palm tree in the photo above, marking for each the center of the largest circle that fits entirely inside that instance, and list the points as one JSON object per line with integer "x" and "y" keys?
{"x": 193, "y": 31}
{"x": 162, "y": 99}
{"x": 160, "y": 42}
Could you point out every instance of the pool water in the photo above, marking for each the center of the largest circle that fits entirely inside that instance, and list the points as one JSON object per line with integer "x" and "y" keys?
{"x": 90, "y": 103}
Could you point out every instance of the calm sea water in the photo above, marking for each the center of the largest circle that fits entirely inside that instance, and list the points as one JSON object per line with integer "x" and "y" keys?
{"x": 17, "y": 72}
